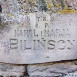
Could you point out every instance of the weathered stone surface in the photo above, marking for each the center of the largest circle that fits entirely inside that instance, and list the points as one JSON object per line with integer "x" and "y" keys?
{"x": 28, "y": 6}
{"x": 11, "y": 70}
{"x": 57, "y": 69}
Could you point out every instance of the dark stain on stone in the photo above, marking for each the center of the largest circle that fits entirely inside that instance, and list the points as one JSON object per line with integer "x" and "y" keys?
{"x": 0, "y": 8}
{"x": 42, "y": 5}
{"x": 26, "y": 72}
{"x": 2, "y": 25}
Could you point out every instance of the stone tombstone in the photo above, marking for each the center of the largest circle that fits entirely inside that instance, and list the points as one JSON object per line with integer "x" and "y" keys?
{"x": 38, "y": 37}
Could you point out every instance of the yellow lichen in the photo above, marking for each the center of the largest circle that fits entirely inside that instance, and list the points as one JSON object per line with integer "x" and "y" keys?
{"x": 66, "y": 11}
{"x": 32, "y": 0}
{"x": 49, "y": 5}
{"x": 9, "y": 15}
{"x": 57, "y": 5}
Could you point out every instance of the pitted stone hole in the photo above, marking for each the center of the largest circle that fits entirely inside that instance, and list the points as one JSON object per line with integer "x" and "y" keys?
{"x": 13, "y": 76}
{"x": 0, "y": 8}
{"x": 1, "y": 76}
{"x": 16, "y": 76}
